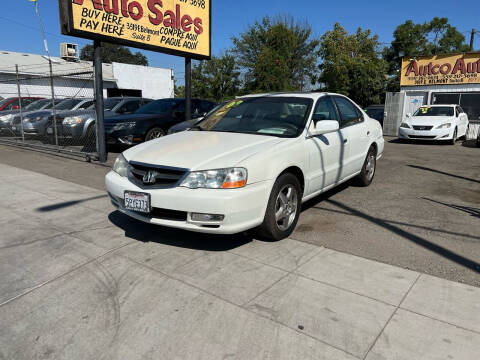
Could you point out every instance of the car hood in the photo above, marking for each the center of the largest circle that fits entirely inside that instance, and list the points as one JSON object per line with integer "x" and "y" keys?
{"x": 201, "y": 150}
{"x": 132, "y": 117}
{"x": 79, "y": 113}
{"x": 430, "y": 120}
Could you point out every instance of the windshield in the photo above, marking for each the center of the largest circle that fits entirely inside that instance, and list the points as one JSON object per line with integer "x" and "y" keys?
{"x": 68, "y": 104}
{"x": 158, "y": 106}
{"x": 108, "y": 104}
{"x": 5, "y": 101}
{"x": 271, "y": 116}
{"x": 50, "y": 104}
{"x": 37, "y": 105}
{"x": 435, "y": 111}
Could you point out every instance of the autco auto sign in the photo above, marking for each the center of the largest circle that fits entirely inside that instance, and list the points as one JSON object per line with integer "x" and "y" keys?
{"x": 441, "y": 70}
{"x": 178, "y": 27}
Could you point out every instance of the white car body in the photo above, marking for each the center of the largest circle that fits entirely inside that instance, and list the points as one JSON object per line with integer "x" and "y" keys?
{"x": 427, "y": 127}
{"x": 320, "y": 162}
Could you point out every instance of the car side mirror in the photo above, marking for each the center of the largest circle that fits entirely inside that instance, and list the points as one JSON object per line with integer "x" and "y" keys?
{"x": 325, "y": 127}
{"x": 15, "y": 107}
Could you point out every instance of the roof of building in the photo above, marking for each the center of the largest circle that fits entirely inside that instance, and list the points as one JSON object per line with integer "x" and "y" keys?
{"x": 32, "y": 64}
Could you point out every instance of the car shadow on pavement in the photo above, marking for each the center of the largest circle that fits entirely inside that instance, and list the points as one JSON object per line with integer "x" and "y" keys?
{"x": 475, "y": 212}
{"x": 419, "y": 142}
{"x": 443, "y": 173}
{"x": 139, "y": 231}
{"x": 65, "y": 204}
{"x": 389, "y": 225}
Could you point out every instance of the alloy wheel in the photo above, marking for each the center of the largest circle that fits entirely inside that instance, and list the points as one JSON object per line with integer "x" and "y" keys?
{"x": 286, "y": 207}
{"x": 370, "y": 166}
{"x": 155, "y": 134}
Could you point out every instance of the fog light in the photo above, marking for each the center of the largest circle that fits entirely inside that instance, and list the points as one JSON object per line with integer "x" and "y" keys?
{"x": 126, "y": 140}
{"x": 206, "y": 217}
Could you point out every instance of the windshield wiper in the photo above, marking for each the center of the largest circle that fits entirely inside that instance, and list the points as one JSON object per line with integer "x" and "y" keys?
{"x": 197, "y": 127}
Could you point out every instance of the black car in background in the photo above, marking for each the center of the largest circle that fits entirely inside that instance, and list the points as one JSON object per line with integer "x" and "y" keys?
{"x": 188, "y": 124}
{"x": 151, "y": 121}
{"x": 376, "y": 112}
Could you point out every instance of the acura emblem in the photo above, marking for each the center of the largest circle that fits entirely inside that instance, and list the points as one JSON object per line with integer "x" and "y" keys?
{"x": 150, "y": 178}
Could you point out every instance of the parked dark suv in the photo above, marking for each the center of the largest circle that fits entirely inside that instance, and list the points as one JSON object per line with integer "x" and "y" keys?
{"x": 152, "y": 120}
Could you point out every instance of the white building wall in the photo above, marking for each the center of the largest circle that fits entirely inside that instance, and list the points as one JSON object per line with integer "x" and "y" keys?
{"x": 155, "y": 83}
{"x": 64, "y": 87}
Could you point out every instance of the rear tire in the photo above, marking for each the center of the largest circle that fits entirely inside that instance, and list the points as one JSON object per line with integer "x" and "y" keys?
{"x": 369, "y": 169}
{"x": 283, "y": 209}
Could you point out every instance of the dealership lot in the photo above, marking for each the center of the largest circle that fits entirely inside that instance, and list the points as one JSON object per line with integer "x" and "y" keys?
{"x": 79, "y": 280}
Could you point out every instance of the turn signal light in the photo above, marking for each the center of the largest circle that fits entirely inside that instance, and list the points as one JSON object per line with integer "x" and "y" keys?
{"x": 234, "y": 184}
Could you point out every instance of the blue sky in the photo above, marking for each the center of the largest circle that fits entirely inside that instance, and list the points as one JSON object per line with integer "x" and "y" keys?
{"x": 20, "y": 29}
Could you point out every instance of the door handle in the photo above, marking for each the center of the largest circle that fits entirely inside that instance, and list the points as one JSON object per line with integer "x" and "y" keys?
{"x": 368, "y": 133}
{"x": 345, "y": 141}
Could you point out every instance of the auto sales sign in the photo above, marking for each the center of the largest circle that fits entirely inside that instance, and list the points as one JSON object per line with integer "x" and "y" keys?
{"x": 451, "y": 69}
{"x": 177, "y": 27}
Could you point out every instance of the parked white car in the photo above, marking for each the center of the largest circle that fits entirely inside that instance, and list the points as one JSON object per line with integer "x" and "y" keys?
{"x": 250, "y": 164}
{"x": 435, "y": 122}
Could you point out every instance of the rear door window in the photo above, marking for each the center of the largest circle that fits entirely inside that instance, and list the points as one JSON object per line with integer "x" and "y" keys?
{"x": 349, "y": 114}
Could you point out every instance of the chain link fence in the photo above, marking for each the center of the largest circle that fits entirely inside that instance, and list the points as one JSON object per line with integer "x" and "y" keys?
{"x": 56, "y": 112}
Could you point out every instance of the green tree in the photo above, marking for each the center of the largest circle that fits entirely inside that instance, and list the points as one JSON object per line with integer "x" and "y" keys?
{"x": 217, "y": 79}
{"x": 276, "y": 54}
{"x": 351, "y": 65}
{"x": 410, "y": 39}
{"x": 114, "y": 53}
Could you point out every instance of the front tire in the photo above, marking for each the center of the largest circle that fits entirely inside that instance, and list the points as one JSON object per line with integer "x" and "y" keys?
{"x": 154, "y": 133}
{"x": 369, "y": 168}
{"x": 283, "y": 209}
{"x": 454, "y": 138}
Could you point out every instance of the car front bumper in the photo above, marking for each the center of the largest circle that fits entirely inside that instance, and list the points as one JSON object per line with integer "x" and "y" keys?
{"x": 243, "y": 208}
{"x": 124, "y": 137}
{"x": 434, "y": 134}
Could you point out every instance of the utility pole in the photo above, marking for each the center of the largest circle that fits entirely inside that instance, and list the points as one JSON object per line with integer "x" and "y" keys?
{"x": 472, "y": 39}
{"x": 97, "y": 63}
{"x": 52, "y": 86}
{"x": 188, "y": 88}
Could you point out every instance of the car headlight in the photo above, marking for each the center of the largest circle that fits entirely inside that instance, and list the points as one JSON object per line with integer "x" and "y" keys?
{"x": 72, "y": 120}
{"x": 33, "y": 119}
{"x": 124, "y": 126}
{"x": 6, "y": 118}
{"x": 231, "y": 178}
{"x": 121, "y": 166}
{"x": 405, "y": 125}
{"x": 445, "y": 126}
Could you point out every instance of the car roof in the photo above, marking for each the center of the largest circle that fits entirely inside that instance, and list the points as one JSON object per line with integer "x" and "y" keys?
{"x": 440, "y": 105}
{"x": 308, "y": 95}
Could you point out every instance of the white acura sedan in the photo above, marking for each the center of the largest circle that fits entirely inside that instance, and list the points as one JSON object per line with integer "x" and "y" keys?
{"x": 435, "y": 122}
{"x": 248, "y": 165}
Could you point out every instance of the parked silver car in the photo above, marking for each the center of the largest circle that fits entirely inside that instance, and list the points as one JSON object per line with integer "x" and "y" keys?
{"x": 36, "y": 123}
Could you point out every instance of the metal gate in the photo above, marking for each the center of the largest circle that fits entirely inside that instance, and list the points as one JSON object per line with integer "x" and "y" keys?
{"x": 394, "y": 105}
{"x": 64, "y": 124}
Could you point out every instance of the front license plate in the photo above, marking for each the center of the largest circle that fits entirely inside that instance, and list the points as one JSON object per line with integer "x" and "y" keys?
{"x": 14, "y": 128}
{"x": 139, "y": 202}
{"x": 49, "y": 131}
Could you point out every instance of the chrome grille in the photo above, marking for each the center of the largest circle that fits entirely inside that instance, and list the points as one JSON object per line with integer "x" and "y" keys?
{"x": 161, "y": 177}
{"x": 420, "y": 127}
